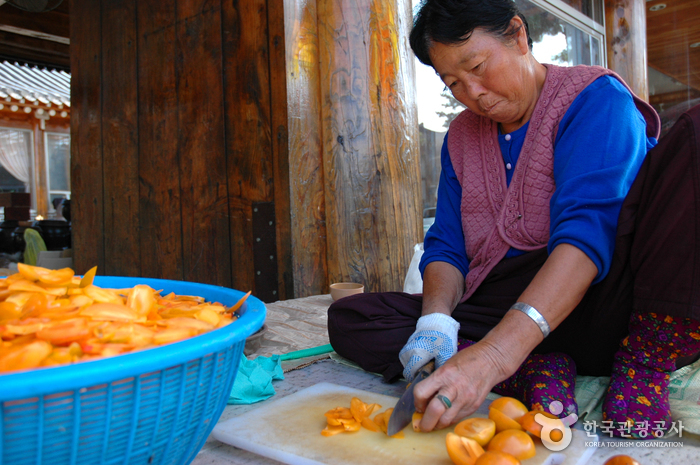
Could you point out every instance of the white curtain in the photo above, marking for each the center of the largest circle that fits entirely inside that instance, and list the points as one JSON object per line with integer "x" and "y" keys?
{"x": 14, "y": 154}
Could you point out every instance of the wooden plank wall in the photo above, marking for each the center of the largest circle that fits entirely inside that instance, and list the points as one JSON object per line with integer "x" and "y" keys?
{"x": 173, "y": 145}
{"x": 267, "y": 145}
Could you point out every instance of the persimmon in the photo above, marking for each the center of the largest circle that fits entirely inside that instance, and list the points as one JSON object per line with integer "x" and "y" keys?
{"x": 502, "y": 421}
{"x": 344, "y": 419}
{"x": 621, "y": 460}
{"x": 462, "y": 451}
{"x": 415, "y": 421}
{"x": 515, "y": 442}
{"x": 496, "y": 458}
{"x": 529, "y": 423}
{"x": 479, "y": 429}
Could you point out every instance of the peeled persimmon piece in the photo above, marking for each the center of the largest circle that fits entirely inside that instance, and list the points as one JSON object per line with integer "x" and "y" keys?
{"x": 26, "y": 286}
{"x": 61, "y": 277}
{"x": 141, "y": 299}
{"x": 462, "y": 451}
{"x": 30, "y": 272}
{"x": 9, "y": 311}
{"x": 332, "y": 430}
{"x": 334, "y": 416}
{"x": 102, "y": 295}
{"x": 174, "y": 334}
{"x": 496, "y": 458}
{"x": 65, "y": 332}
{"x": 89, "y": 277}
{"x": 238, "y": 304}
{"x": 369, "y": 424}
{"x": 502, "y": 421}
{"x": 209, "y": 316}
{"x": 382, "y": 421}
{"x": 479, "y": 429}
{"x": 515, "y": 442}
{"x": 109, "y": 312}
{"x": 22, "y": 357}
{"x": 415, "y": 421}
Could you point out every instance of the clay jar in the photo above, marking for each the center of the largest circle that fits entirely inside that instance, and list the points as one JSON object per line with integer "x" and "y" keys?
{"x": 7, "y": 238}
{"x": 56, "y": 233}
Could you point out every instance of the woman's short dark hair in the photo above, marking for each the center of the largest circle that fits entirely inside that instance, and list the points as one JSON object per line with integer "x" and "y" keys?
{"x": 452, "y": 22}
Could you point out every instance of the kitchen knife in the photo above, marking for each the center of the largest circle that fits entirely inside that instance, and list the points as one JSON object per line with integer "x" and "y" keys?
{"x": 403, "y": 411}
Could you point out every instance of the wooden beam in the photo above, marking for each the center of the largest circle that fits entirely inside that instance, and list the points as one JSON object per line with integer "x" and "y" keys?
{"x": 53, "y": 23}
{"x": 625, "y": 30}
{"x": 30, "y": 49}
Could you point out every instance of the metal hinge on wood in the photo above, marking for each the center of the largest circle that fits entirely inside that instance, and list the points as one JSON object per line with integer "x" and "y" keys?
{"x": 265, "y": 251}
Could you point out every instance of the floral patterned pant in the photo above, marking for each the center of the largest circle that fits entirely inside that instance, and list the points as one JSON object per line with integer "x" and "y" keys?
{"x": 541, "y": 380}
{"x": 637, "y": 399}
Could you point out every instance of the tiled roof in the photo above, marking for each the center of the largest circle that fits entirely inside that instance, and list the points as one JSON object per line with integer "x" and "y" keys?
{"x": 34, "y": 84}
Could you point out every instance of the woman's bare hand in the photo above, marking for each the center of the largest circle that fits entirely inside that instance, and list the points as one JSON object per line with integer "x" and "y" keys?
{"x": 465, "y": 380}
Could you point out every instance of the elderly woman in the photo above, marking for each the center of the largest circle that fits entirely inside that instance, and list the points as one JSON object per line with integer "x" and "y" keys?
{"x": 543, "y": 225}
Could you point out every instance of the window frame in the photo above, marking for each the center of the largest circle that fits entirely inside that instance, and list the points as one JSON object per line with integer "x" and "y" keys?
{"x": 48, "y": 131}
{"x": 577, "y": 19}
{"x": 18, "y": 126}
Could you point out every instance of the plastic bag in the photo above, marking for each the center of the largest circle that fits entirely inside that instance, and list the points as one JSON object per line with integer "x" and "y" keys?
{"x": 34, "y": 245}
{"x": 413, "y": 284}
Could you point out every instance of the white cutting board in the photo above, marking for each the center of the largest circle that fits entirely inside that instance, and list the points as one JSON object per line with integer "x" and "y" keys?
{"x": 289, "y": 430}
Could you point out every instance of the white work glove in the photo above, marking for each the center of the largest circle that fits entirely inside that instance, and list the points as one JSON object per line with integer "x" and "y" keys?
{"x": 435, "y": 338}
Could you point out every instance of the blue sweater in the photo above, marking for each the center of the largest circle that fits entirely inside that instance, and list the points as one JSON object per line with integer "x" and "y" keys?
{"x": 600, "y": 145}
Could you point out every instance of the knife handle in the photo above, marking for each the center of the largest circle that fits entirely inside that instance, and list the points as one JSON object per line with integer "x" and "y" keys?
{"x": 428, "y": 368}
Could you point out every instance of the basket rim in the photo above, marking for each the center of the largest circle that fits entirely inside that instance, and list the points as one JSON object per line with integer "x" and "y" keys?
{"x": 51, "y": 380}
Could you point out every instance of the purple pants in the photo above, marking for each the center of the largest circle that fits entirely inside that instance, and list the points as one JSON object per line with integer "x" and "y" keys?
{"x": 655, "y": 268}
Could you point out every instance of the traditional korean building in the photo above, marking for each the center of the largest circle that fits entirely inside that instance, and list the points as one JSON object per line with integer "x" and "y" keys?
{"x": 35, "y": 134}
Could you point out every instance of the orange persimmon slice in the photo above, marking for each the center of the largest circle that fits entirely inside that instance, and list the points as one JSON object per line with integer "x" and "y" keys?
{"x": 462, "y": 451}
{"x": 479, "y": 429}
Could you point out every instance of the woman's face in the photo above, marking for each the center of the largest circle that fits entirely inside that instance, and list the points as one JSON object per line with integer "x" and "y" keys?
{"x": 491, "y": 76}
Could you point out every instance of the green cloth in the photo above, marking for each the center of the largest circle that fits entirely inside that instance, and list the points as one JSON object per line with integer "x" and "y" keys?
{"x": 253, "y": 381}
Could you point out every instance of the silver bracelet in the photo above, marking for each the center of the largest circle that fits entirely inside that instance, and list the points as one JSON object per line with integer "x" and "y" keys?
{"x": 535, "y": 315}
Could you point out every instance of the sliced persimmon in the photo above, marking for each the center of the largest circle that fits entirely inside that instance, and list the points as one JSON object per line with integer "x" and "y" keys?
{"x": 462, "y": 451}
{"x": 502, "y": 421}
{"x": 415, "y": 421}
{"x": 479, "y": 429}
{"x": 89, "y": 277}
{"x": 530, "y": 424}
{"x": 510, "y": 406}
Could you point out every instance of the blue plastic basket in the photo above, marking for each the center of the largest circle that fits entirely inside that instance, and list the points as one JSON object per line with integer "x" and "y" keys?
{"x": 156, "y": 406}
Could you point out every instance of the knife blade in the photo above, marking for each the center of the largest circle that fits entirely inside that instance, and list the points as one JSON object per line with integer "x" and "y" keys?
{"x": 403, "y": 411}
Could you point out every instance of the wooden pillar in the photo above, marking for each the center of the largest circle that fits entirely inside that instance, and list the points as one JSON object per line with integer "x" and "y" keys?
{"x": 626, "y": 37}
{"x": 306, "y": 173}
{"x": 40, "y": 169}
{"x": 370, "y": 141}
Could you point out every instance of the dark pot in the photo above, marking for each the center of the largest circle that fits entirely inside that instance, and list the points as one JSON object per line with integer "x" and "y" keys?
{"x": 56, "y": 233}
{"x": 7, "y": 240}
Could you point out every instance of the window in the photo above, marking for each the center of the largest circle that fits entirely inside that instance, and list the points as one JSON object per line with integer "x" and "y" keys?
{"x": 16, "y": 157}
{"x": 564, "y": 33}
{"x": 58, "y": 165}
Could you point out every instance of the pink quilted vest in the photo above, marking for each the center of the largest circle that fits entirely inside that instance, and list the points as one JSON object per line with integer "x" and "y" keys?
{"x": 495, "y": 216}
